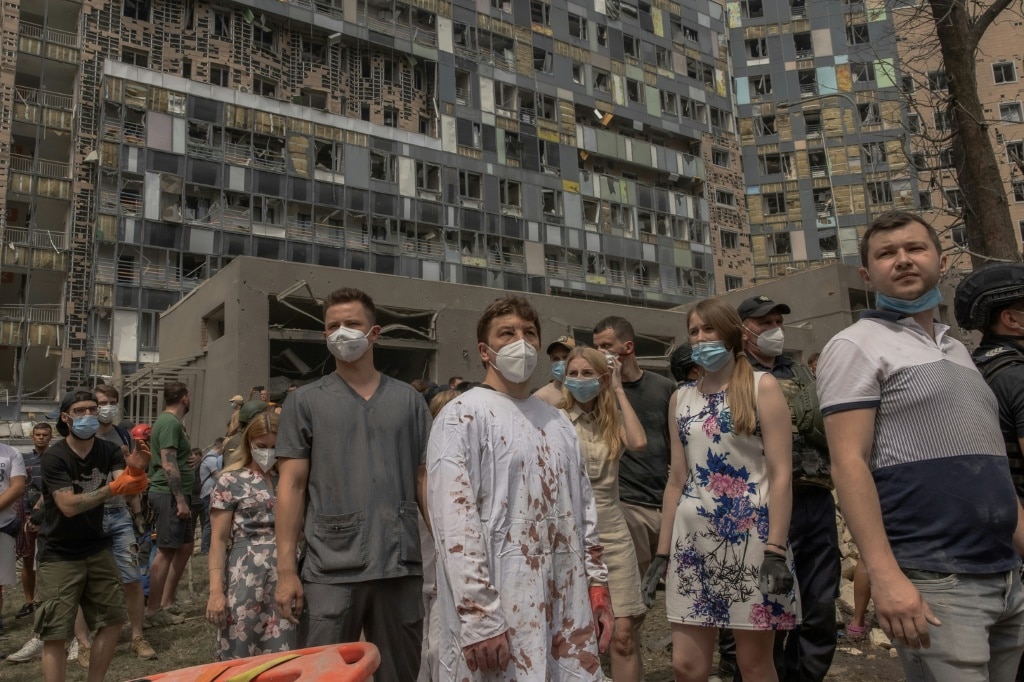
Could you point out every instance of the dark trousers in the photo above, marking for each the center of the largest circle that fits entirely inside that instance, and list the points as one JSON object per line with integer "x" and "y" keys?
{"x": 805, "y": 654}
{"x": 389, "y": 612}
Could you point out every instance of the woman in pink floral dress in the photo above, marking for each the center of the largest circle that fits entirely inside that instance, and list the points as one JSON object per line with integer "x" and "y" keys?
{"x": 243, "y": 550}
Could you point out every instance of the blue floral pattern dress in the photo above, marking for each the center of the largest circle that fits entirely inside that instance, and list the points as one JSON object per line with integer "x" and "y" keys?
{"x": 254, "y": 627}
{"x": 721, "y": 524}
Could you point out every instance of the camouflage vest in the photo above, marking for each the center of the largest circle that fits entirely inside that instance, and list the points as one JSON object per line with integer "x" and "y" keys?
{"x": 810, "y": 448}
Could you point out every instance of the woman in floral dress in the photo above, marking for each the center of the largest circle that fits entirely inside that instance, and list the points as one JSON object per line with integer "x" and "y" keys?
{"x": 727, "y": 506}
{"x": 597, "y": 406}
{"x": 243, "y": 550}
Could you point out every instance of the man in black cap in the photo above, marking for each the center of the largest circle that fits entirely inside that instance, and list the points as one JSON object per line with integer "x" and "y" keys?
{"x": 681, "y": 363}
{"x": 558, "y": 351}
{"x": 806, "y": 652}
{"x": 76, "y": 562}
{"x": 991, "y": 300}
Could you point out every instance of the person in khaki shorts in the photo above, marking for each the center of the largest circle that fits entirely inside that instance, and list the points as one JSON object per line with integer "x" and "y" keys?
{"x": 76, "y": 562}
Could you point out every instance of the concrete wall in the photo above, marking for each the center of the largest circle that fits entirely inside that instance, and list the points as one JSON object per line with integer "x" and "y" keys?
{"x": 239, "y": 359}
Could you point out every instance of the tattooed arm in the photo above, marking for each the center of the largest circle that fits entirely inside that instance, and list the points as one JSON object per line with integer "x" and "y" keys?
{"x": 169, "y": 462}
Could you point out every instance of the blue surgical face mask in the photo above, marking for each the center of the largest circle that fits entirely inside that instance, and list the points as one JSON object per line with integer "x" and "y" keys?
{"x": 583, "y": 390}
{"x": 85, "y": 427}
{"x": 558, "y": 371}
{"x": 926, "y": 301}
{"x": 711, "y": 355}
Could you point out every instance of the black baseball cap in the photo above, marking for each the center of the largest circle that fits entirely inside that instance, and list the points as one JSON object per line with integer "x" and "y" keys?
{"x": 70, "y": 398}
{"x": 760, "y": 305}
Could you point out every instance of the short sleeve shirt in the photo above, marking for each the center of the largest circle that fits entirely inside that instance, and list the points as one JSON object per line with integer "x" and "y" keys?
{"x": 11, "y": 464}
{"x": 937, "y": 458}
{"x": 81, "y": 535}
{"x": 643, "y": 474}
{"x": 169, "y": 432}
{"x": 363, "y": 455}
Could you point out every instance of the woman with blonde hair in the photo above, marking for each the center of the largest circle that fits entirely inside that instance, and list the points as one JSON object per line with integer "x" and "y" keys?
{"x": 243, "y": 549}
{"x": 727, "y": 506}
{"x": 596, "y": 404}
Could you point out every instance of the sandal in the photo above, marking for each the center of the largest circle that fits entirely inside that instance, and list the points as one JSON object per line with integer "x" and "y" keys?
{"x": 26, "y": 610}
{"x": 856, "y": 632}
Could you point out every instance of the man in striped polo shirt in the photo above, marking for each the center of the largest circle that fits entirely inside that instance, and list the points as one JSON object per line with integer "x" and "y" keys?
{"x": 921, "y": 470}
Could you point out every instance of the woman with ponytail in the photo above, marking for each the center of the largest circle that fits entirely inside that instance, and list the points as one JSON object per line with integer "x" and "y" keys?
{"x": 596, "y": 404}
{"x": 243, "y": 549}
{"x": 727, "y": 505}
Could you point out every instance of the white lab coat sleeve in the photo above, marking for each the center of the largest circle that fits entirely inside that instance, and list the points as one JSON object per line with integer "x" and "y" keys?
{"x": 454, "y": 454}
{"x": 596, "y": 570}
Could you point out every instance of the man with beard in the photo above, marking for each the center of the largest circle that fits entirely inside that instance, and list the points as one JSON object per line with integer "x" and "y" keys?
{"x": 171, "y": 480}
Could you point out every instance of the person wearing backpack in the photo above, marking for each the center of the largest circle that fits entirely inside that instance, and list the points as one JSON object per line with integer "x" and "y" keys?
{"x": 804, "y": 653}
{"x": 209, "y": 466}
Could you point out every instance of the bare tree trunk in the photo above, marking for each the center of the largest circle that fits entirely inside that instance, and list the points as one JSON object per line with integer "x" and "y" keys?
{"x": 986, "y": 211}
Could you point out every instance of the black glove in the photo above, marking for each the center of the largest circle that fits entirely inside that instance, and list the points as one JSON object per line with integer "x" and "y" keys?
{"x": 775, "y": 577}
{"x": 655, "y": 572}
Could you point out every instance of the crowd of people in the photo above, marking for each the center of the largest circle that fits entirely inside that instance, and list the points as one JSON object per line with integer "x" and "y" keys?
{"x": 480, "y": 530}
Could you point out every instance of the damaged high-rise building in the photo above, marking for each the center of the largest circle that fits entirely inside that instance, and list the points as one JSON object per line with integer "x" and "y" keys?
{"x": 583, "y": 149}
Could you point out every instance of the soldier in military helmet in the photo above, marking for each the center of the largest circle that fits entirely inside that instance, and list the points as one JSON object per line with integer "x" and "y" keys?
{"x": 991, "y": 300}
{"x": 806, "y": 652}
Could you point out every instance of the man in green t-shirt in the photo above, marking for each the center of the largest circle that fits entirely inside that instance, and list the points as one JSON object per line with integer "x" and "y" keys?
{"x": 170, "y": 483}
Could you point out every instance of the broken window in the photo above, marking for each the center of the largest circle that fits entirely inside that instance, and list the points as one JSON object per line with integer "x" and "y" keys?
{"x": 765, "y": 125}
{"x": 513, "y": 146}
{"x": 760, "y": 85}
{"x": 635, "y": 91}
{"x": 818, "y": 162}
{"x": 1004, "y": 72}
{"x": 470, "y": 185}
{"x": 937, "y": 81}
{"x": 725, "y": 198}
{"x": 669, "y": 100}
{"x": 134, "y": 57}
{"x": 548, "y": 108}
{"x": 602, "y": 80}
{"x": 263, "y": 87}
{"x": 540, "y": 13}
{"x": 753, "y": 9}
{"x": 137, "y": 9}
{"x": 463, "y": 87}
{"x": 314, "y": 99}
{"x": 579, "y": 73}
{"x": 775, "y": 163}
{"x": 862, "y": 72}
{"x": 630, "y": 45}
{"x": 808, "y": 79}
{"x": 313, "y": 50}
{"x": 870, "y": 113}
{"x": 812, "y": 121}
{"x": 780, "y": 244}
{"x": 509, "y": 191}
{"x": 1015, "y": 152}
{"x": 551, "y": 200}
{"x": 221, "y": 24}
{"x": 577, "y": 26}
{"x": 220, "y": 75}
{"x": 428, "y": 176}
{"x": 857, "y": 34}
{"x": 329, "y": 156}
{"x": 774, "y": 203}
{"x": 542, "y": 60}
{"x": 914, "y": 123}
{"x": 803, "y": 45}
{"x": 392, "y": 71}
{"x": 663, "y": 57}
{"x": 757, "y": 48}
{"x": 874, "y": 152}
{"x": 382, "y": 166}
{"x": 880, "y": 192}
{"x": 391, "y": 117}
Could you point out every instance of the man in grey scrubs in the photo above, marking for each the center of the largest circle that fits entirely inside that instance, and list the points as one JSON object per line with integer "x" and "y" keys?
{"x": 350, "y": 451}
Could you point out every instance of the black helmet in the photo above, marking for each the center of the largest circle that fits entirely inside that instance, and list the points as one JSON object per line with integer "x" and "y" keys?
{"x": 986, "y": 290}
{"x": 681, "y": 361}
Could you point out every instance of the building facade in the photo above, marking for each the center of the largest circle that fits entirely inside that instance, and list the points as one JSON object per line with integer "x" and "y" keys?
{"x": 822, "y": 126}
{"x": 583, "y": 149}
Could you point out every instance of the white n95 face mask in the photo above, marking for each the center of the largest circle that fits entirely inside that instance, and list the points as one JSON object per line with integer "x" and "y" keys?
{"x": 516, "y": 361}
{"x": 347, "y": 344}
{"x": 771, "y": 342}
{"x": 264, "y": 458}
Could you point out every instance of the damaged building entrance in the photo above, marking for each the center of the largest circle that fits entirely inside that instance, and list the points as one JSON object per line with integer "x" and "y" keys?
{"x": 298, "y": 350}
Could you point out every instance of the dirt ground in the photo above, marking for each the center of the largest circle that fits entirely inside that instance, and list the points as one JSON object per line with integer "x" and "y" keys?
{"x": 191, "y": 644}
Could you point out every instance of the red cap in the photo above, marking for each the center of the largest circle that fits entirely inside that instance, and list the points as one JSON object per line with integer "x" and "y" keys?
{"x": 141, "y": 431}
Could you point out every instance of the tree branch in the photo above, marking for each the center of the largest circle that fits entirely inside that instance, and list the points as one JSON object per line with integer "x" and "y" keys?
{"x": 981, "y": 24}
